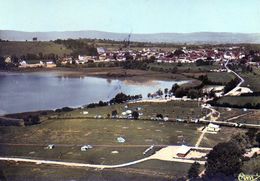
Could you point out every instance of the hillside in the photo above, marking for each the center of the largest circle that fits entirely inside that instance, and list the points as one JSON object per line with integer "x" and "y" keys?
{"x": 190, "y": 38}
{"x": 23, "y": 48}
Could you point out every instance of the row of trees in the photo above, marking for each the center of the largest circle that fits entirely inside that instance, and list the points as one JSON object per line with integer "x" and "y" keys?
{"x": 118, "y": 99}
{"x": 177, "y": 91}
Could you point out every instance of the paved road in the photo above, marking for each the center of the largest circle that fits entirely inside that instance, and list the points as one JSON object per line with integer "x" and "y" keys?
{"x": 71, "y": 164}
{"x": 239, "y": 84}
{"x": 75, "y": 164}
{"x": 238, "y": 116}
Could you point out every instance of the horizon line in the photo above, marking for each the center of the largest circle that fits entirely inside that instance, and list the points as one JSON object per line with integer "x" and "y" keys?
{"x": 52, "y": 31}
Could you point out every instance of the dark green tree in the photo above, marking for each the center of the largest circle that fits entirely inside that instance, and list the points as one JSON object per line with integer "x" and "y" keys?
{"x": 193, "y": 172}
{"x": 120, "y": 98}
{"x": 224, "y": 159}
{"x": 114, "y": 113}
{"x": 135, "y": 114}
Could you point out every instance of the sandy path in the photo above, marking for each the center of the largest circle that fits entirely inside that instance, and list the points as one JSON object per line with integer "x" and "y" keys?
{"x": 200, "y": 138}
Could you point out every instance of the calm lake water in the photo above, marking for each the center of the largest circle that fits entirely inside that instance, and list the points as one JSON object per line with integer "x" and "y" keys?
{"x": 20, "y": 92}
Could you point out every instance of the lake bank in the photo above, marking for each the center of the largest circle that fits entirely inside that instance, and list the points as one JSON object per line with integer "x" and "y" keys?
{"x": 105, "y": 72}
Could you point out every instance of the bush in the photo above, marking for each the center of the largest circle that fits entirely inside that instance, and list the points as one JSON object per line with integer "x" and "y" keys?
{"x": 135, "y": 114}
{"x": 114, "y": 113}
{"x": 193, "y": 172}
{"x": 66, "y": 109}
{"x": 31, "y": 120}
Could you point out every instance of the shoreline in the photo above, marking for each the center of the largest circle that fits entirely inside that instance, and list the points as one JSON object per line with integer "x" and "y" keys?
{"x": 106, "y": 72}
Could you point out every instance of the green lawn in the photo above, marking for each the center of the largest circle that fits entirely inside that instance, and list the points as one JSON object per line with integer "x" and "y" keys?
{"x": 76, "y": 132}
{"x": 184, "y": 68}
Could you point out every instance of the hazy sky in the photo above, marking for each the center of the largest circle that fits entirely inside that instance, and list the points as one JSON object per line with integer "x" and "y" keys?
{"x": 138, "y": 16}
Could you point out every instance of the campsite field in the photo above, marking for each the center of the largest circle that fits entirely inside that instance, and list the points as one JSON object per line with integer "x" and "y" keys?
{"x": 171, "y": 109}
{"x": 101, "y": 133}
{"x": 70, "y": 134}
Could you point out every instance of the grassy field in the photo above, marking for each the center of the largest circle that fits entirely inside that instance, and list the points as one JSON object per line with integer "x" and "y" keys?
{"x": 240, "y": 101}
{"x": 252, "y": 118}
{"x": 22, "y": 48}
{"x": 184, "y": 68}
{"x": 222, "y": 77}
{"x": 210, "y": 140}
{"x": 100, "y": 132}
{"x": 69, "y": 131}
{"x": 172, "y": 109}
{"x": 217, "y": 77}
{"x": 252, "y": 80}
{"x": 226, "y": 113}
{"x": 18, "y": 172}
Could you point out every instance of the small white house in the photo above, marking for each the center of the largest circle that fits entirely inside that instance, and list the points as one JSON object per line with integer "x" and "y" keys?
{"x": 213, "y": 128}
{"x": 183, "y": 150}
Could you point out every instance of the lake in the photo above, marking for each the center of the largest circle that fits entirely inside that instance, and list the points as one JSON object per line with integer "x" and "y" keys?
{"x": 20, "y": 92}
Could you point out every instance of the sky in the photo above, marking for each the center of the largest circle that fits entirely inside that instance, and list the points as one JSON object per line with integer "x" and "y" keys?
{"x": 136, "y": 16}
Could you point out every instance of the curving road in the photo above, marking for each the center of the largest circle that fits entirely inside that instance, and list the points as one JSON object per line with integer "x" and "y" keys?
{"x": 239, "y": 84}
{"x": 159, "y": 155}
{"x": 71, "y": 164}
